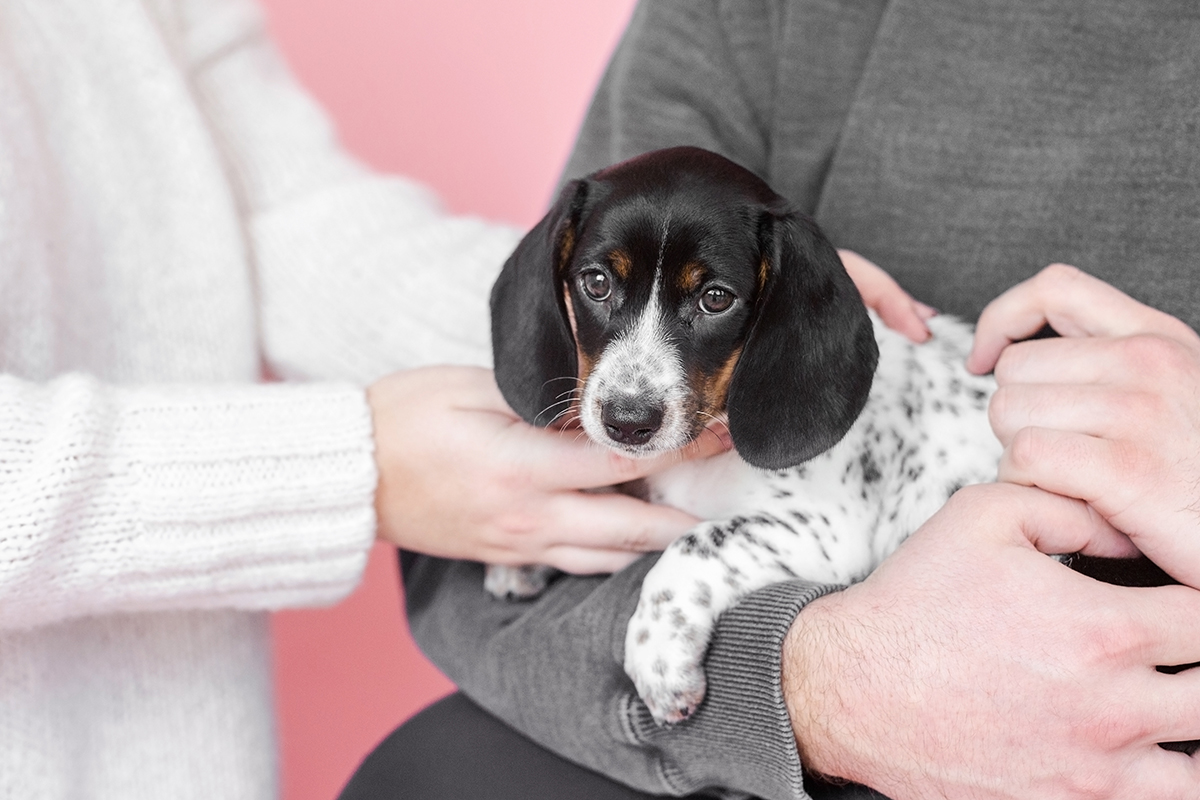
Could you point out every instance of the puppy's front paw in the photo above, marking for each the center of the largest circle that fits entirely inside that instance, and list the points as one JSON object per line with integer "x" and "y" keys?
{"x": 517, "y": 583}
{"x": 664, "y": 655}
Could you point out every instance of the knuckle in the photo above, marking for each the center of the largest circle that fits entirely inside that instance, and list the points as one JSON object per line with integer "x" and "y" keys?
{"x": 515, "y": 529}
{"x": 1055, "y": 277}
{"x": 1156, "y": 355}
{"x": 968, "y": 498}
{"x": 1091, "y": 783}
{"x": 1006, "y": 364}
{"x": 1026, "y": 448}
{"x": 1000, "y": 408}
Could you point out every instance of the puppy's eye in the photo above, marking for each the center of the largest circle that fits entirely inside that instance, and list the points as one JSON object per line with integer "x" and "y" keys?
{"x": 596, "y": 284}
{"x": 716, "y": 300}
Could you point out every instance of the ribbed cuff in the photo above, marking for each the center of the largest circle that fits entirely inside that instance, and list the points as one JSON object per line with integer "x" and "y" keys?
{"x": 182, "y": 497}
{"x": 256, "y": 496}
{"x": 742, "y": 735}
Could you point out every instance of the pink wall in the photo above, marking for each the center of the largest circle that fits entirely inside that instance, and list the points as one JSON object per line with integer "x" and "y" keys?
{"x": 481, "y": 100}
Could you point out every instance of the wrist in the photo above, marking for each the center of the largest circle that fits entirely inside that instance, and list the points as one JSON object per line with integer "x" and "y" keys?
{"x": 813, "y": 668}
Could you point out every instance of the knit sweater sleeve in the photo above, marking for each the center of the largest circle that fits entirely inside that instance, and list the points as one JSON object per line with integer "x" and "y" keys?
{"x": 358, "y": 273}
{"x": 127, "y": 499}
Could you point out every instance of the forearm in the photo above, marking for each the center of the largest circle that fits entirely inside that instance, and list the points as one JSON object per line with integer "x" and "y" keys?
{"x": 185, "y": 497}
{"x": 552, "y": 669}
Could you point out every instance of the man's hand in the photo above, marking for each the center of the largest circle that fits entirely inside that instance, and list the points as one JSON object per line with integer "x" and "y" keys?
{"x": 461, "y": 476}
{"x": 880, "y": 293}
{"x": 1109, "y": 414}
{"x": 969, "y": 665}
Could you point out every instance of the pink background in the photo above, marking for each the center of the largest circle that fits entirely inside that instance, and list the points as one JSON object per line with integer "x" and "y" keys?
{"x": 481, "y": 100}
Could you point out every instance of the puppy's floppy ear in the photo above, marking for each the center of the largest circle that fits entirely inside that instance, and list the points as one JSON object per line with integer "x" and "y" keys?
{"x": 533, "y": 349}
{"x": 806, "y": 368}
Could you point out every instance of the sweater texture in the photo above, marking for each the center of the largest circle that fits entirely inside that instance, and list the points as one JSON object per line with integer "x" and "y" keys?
{"x": 176, "y": 221}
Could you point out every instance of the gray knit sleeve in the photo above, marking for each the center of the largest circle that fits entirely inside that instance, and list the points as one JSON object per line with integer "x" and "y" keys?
{"x": 551, "y": 668}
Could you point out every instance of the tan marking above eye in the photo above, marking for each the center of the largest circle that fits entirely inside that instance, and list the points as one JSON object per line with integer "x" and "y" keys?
{"x": 621, "y": 263}
{"x": 691, "y": 276}
{"x": 764, "y": 269}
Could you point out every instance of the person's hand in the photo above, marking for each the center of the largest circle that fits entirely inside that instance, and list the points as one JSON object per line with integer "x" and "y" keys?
{"x": 969, "y": 665}
{"x": 883, "y": 295}
{"x": 1109, "y": 414}
{"x": 461, "y": 476}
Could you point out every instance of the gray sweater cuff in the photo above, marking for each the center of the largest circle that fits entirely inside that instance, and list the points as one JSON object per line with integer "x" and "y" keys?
{"x": 741, "y": 735}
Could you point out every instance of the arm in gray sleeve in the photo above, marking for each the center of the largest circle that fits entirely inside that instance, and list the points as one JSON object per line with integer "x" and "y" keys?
{"x": 551, "y": 668}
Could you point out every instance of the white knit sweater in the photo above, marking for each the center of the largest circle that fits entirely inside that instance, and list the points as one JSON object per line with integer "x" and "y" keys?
{"x": 176, "y": 219}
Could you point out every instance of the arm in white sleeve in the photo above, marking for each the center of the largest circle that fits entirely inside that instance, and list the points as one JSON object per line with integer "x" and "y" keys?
{"x": 199, "y": 496}
{"x": 359, "y": 274}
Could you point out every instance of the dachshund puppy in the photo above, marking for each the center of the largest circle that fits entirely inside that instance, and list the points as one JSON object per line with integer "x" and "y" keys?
{"x": 676, "y": 290}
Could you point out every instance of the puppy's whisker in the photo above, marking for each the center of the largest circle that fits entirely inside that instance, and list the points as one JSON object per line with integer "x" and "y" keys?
{"x": 565, "y": 415}
{"x": 568, "y": 402}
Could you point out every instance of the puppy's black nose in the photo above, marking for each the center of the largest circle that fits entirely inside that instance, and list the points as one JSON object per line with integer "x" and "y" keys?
{"x": 630, "y": 421}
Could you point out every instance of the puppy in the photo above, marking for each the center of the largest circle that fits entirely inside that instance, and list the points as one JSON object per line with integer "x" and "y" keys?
{"x": 675, "y": 290}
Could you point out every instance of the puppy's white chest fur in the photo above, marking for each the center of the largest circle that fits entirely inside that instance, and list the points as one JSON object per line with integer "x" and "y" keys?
{"x": 922, "y": 435}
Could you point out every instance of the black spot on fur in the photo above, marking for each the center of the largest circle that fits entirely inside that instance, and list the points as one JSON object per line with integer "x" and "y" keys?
{"x": 870, "y": 467}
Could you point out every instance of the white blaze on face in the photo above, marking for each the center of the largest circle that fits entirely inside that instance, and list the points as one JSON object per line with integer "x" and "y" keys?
{"x": 643, "y": 365}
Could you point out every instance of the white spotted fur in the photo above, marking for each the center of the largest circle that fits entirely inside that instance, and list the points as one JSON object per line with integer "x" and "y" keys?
{"x": 829, "y": 520}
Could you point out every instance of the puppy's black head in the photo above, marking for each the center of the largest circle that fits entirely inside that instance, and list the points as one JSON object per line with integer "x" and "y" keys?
{"x": 675, "y": 288}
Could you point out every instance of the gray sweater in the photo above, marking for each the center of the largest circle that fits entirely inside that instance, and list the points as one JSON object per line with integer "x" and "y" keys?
{"x": 960, "y": 144}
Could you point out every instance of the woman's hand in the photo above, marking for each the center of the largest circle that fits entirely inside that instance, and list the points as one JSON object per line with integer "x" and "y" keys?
{"x": 883, "y": 295}
{"x": 1109, "y": 413}
{"x": 462, "y": 476}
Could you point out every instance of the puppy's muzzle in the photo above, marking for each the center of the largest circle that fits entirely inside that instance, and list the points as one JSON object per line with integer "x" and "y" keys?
{"x": 630, "y": 420}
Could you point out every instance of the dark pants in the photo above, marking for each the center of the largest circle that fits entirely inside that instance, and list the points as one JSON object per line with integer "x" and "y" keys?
{"x": 454, "y": 750}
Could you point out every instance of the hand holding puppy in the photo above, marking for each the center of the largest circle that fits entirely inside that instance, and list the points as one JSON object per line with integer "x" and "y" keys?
{"x": 970, "y": 665}
{"x": 1109, "y": 413}
{"x": 461, "y": 476}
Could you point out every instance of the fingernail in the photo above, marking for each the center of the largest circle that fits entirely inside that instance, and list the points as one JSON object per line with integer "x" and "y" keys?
{"x": 924, "y": 311}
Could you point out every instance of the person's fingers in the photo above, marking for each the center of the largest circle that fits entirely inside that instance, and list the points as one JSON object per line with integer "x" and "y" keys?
{"x": 1073, "y": 303}
{"x": 1064, "y": 525}
{"x": 1051, "y": 523}
{"x": 1164, "y": 774}
{"x": 569, "y": 460}
{"x": 615, "y": 522}
{"x": 1060, "y": 360}
{"x": 1099, "y": 411}
{"x": 589, "y": 561}
{"x": 1072, "y": 464}
{"x": 1144, "y": 359}
{"x": 903, "y": 315}
{"x": 882, "y": 293}
{"x": 1167, "y": 619}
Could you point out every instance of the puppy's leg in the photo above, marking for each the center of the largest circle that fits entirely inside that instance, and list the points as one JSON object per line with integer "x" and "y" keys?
{"x": 701, "y": 575}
